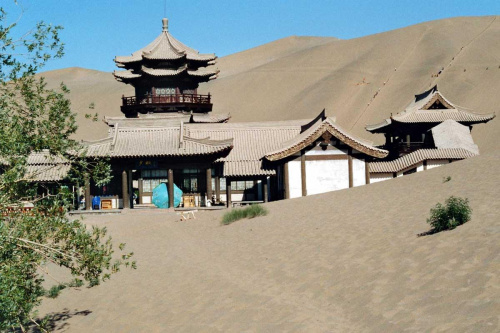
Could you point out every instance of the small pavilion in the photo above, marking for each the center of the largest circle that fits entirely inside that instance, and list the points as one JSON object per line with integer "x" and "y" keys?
{"x": 430, "y": 132}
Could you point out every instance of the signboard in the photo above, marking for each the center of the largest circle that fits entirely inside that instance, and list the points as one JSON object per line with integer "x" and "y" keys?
{"x": 146, "y": 164}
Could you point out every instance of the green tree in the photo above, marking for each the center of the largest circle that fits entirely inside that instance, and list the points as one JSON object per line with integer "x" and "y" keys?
{"x": 32, "y": 118}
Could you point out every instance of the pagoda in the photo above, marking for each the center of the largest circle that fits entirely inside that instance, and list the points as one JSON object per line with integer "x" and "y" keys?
{"x": 166, "y": 75}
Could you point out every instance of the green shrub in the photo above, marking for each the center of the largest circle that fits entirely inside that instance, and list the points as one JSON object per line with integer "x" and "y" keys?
{"x": 55, "y": 290}
{"x": 456, "y": 211}
{"x": 242, "y": 213}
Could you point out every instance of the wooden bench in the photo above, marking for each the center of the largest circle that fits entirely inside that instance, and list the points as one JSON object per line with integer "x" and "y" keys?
{"x": 187, "y": 214}
{"x": 245, "y": 203}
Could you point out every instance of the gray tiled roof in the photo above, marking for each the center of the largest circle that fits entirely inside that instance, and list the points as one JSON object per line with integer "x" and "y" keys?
{"x": 210, "y": 118}
{"x": 47, "y": 172}
{"x": 165, "y": 47}
{"x": 44, "y": 167}
{"x": 154, "y": 141}
{"x": 419, "y": 112}
{"x": 418, "y": 156}
{"x": 251, "y": 143}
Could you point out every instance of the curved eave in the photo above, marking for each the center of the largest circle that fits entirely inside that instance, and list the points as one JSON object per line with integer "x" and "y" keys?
{"x": 201, "y": 57}
{"x": 204, "y": 73}
{"x": 205, "y": 119}
{"x": 380, "y": 127}
{"x": 326, "y": 126}
{"x": 125, "y": 75}
{"x": 163, "y": 72}
{"x": 463, "y": 117}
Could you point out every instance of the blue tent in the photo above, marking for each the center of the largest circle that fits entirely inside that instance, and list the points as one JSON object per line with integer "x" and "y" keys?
{"x": 160, "y": 196}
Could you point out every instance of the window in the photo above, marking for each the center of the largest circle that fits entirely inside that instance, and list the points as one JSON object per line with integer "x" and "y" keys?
{"x": 148, "y": 185}
{"x": 164, "y": 91}
{"x": 236, "y": 185}
{"x": 190, "y": 180}
{"x": 153, "y": 178}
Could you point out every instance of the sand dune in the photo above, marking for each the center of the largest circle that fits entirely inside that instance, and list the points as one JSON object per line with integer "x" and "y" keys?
{"x": 346, "y": 261}
{"x": 329, "y": 76}
{"x": 296, "y": 77}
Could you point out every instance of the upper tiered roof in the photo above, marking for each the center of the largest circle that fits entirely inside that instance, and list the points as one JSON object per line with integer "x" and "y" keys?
{"x": 433, "y": 108}
{"x": 165, "y": 48}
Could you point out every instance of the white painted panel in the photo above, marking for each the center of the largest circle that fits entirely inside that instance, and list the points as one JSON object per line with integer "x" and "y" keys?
{"x": 236, "y": 197}
{"x": 358, "y": 172}
{"x": 329, "y": 151}
{"x": 324, "y": 176}
{"x": 436, "y": 163}
{"x": 295, "y": 179}
{"x": 146, "y": 199}
{"x": 379, "y": 177}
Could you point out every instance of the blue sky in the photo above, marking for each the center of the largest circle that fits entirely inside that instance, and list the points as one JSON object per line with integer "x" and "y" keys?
{"x": 96, "y": 31}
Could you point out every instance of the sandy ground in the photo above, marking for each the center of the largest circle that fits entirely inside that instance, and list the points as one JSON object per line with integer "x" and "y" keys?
{"x": 346, "y": 261}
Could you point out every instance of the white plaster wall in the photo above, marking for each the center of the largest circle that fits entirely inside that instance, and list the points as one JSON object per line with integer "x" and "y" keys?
{"x": 295, "y": 179}
{"x": 379, "y": 177}
{"x": 420, "y": 167}
{"x": 436, "y": 163}
{"x": 324, "y": 176}
{"x": 358, "y": 172}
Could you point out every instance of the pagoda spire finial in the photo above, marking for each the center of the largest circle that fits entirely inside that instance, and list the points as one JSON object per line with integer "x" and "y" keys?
{"x": 165, "y": 24}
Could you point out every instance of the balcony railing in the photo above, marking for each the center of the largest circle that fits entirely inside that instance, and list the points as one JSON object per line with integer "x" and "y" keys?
{"x": 404, "y": 148}
{"x": 166, "y": 99}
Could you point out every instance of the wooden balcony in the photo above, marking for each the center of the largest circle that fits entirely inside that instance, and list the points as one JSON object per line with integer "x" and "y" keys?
{"x": 403, "y": 148}
{"x": 166, "y": 103}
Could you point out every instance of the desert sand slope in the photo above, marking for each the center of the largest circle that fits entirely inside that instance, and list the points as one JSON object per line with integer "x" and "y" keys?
{"x": 296, "y": 77}
{"x": 86, "y": 87}
{"x": 329, "y": 76}
{"x": 259, "y": 56}
{"x": 346, "y": 261}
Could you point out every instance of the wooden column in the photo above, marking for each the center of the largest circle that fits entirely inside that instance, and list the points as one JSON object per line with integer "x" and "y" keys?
{"x": 125, "y": 194}
{"x": 170, "y": 188}
{"x": 130, "y": 189}
{"x": 367, "y": 172}
{"x": 303, "y": 173}
{"x": 217, "y": 188}
{"x": 264, "y": 190}
{"x": 209, "y": 184}
{"x": 88, "y": 203}
{"x": 349, "y": 159}
{"x": 140, "y": 190}
{"x": 286, "y": 180}
{"x": 425, "y": 165}
{"x": 228, "y": 192}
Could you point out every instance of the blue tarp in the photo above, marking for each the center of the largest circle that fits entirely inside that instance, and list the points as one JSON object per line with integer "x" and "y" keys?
{"x": 160, "y": 196}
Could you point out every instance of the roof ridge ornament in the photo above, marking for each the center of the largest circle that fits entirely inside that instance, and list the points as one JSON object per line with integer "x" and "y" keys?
{"x": 165, "y": 24}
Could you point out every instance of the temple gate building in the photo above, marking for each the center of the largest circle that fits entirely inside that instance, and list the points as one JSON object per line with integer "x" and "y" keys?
{"x": 168, "y": 134}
